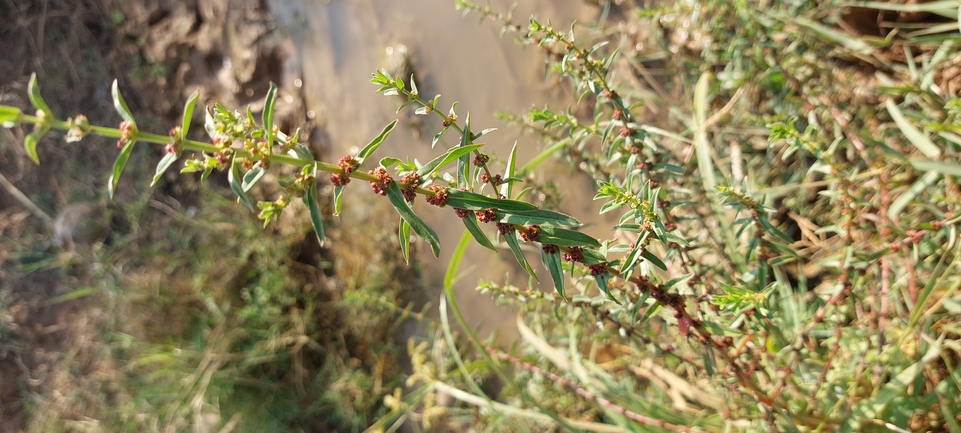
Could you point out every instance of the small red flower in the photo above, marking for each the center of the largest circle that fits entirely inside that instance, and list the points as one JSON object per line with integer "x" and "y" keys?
{"x": 486, "y": 216}
{"x": 481, "y": 160}
{"x": 462, "y": 213}
{"x": 549, "y": 249}
{"x": 440, "y": 196}
{"x": 576, "y": 254}
{"x": 598, "y": 269}
{"x": 505, "y": 228}
{"x": 411, "y": 181}
{"x": 348, "y": 164}
{"x": 531, "y": 233}
{"x": 383, "y": 180}
{"x": 339, "y": 179}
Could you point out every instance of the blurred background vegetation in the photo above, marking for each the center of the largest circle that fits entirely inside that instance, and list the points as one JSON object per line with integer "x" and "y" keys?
{"x": 829, "y": 259}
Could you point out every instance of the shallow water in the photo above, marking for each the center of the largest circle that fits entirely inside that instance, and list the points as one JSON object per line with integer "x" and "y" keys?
{"x": 341, "y": 43}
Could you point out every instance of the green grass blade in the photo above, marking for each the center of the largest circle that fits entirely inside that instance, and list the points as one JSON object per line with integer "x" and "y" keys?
{"x": 938, "y": 166}
{"x": 919, "y": 186}
{"x": 542, "y": 157}
{"x": 915, "y": 136}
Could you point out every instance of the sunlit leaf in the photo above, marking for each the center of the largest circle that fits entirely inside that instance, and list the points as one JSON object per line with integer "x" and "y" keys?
{"x": 553, "y": 263}
{"x": 507, "y": 187}
{"x": 316, "y": 219}
{"x": 162, "y": 166}
{"x": 511, "y": 239}
{"x": 232, "y": 175}
{"x": 396, "y": 197}
{"x": 33, "y": 90}
{"x": 188, "y": 113}
{"x": 566, "y": 238}
{"x": 376, "y": 142}
{"x": 474, "y": 229}
{"x": 31, "y": 140}
{"x": 252, "y": 176}
{"x": 539, "y": 217}
{"x": 403, "y": 236}
{"x": 441, "y": 161}
{"x": 120, "y": 105}
{"x": 473, "y": 201}
{"x": 118, "y": 166}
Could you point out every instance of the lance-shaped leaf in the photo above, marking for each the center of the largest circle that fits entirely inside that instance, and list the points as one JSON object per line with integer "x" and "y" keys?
{"x": 471, "y": 223}
{"x": 654, "y": 260}
{"x": 33, "y": 90}
{"x": 553, "y": 263}
{"x": 375, "y": 143}
{"x": 9, "y": 116}
{"x": 763, "y": 219}
{"x": 463, "y": 164}
{"x": 252, "y": 176}
{"x": 602, "y": 279}
{"x": 508, "y": 187}
{"x": 396, "y": 197}
{"x": 540, "y": 217}
{"x": 120, "y": 105}
{"x": 268, "y": 117}
{"x": 338, "y": 198}
{"x": 163, "y": 165}
{"x": 316, "y": 220}
{"x": 188, "y": 113}
{"x": 118, "y": 166}
{"x": 511, "y": 239}
{"x": 30, "y": 142}
{"x": 592, "y": 257}
{"x": 232, "y": 175}
{"x": 441, "y": 161}
{"x": 474, "y": 201}
{"x": 403, "y": 236}
{"x": 566, "y": 238}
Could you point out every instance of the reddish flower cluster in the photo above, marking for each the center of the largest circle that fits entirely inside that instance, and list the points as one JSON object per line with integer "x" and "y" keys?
{"x": 410, "y": 180}
{"x": 439, "y": 198}
{"x": 348, "y": 164}
{"x": 486, "y": 215}
{"x": 175, "y": 131}
{"x": 549, "y": 249}
{"x": 576, "y": 254}
{"x": 127, "y": 130}
{"x": 339, "y": 179}
{"x": 531, "y": 233}
{"x": 496, "y": 181}
{"x": 462, "y": 213}
{"x": 171, "y": 148}
{"x": 505, "y": 228}
{"x": 598, "y": 269}
{"x": 481, "y": 160}
{"x": 383, "y": 180}
{"x": 670, "y": 227}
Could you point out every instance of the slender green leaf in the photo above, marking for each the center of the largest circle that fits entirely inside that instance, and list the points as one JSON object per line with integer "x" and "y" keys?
{"x": 511, "y": 239}
{"x": 763, "y": 219}
{"x": 403, "y": 236}
{"x": 210, "y": 125}
{"x": 9, "y": 116}
{"x": 471, "y": 223}
{"x": 553, "y": 263}
{"x": 915, "y": 136}
{"x": 316, "y": 220}
{"x": 30, "y": 142}
{"x": 118, "y": 166}
{"x": 252, "y": 176}
{"x": 602, "y": 279}
{"x": 396, "y": 197}
{"x": 376, "y": 142}
{"x": 450, "y": 156}
{"x": 540, "y": 217}
{"x": 592, "y": 257}
{"x": 650, "y": 257}
{"x": 338, "y": 198}
{"x": 268, "y": 117}
{"x": 33, "y": 90}
{"x": 163, "y": 165}
{"x": 473, "y": 201}
{"x": 188, "y": 113}
{"x": 938, "y": 166}
{"x": 566, "y": 238}
{"x": 919, "y": 186}
{"x": 463, "y": 163}
{"x": 507, "y": 187}
{"x": 232, "y": 175}
{"x": 120, "y": 105}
